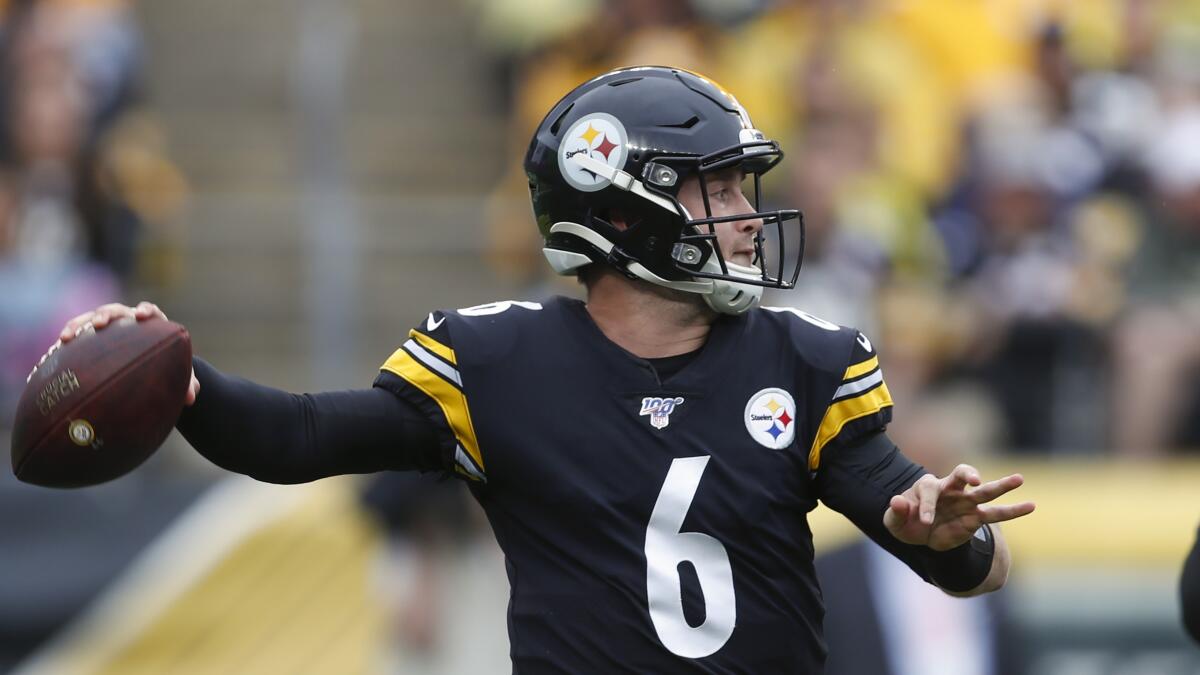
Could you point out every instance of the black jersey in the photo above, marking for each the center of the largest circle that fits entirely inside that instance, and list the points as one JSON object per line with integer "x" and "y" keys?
{"x": 648, "y": 526}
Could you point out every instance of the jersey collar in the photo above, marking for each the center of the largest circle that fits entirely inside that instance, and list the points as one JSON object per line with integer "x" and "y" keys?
{"x": 708, "y": 369}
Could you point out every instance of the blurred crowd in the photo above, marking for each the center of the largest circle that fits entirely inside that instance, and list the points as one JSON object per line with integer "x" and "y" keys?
{"x": 88, "y": 199}
{"x": 1004, "y": 194}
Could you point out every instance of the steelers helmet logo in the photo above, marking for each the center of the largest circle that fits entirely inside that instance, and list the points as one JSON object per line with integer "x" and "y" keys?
{"x": 81, "y": 433}
{"x": 599, "y": 136}
{"x": 771, "y": 418}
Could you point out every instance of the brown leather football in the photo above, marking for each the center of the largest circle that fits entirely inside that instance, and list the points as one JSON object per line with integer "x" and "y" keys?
{"x": 98, "y": 406}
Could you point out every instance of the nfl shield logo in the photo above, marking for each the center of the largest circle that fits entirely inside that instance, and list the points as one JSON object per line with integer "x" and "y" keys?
{"x": 659, "y": 409}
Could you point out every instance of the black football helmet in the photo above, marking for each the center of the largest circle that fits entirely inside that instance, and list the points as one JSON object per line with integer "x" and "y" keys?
{"x": 625, "y": 142}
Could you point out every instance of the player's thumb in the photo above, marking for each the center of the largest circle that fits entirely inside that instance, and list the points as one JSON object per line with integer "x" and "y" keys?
{"x": 193, "y": 390}
{"x": 897, "y": 513}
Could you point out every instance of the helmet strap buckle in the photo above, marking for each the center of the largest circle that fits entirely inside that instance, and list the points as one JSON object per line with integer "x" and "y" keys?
{"x": 660, "y": 174}
{"x": 687, "y": 254}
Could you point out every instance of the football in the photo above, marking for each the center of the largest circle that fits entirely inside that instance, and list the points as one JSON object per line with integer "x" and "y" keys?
{"x": 96, "y": 407}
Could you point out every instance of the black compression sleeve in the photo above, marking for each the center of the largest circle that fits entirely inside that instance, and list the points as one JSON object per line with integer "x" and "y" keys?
{"x": 1189, "y": 590}
{"x": 860, "y": 480}
{"x": 279, "y": 437}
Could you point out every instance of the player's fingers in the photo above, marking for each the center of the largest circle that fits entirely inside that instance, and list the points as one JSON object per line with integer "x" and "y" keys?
{"x": 927, "y": 489}
{"x": 75, "y": 325}
{"x": 962, "y": 476}
{"x": 996, "y": 488}
{"x": 146, "y": 310}
{"x": 111, "y": 312}
{"x": 1001, "y": 512}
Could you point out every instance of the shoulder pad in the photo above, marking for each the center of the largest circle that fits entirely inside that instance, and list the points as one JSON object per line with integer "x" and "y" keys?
{"x": 487, "y": 332}
{"x": 823, "y": 345}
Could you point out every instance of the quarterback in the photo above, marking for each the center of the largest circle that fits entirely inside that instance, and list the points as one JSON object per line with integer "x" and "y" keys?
{"x": 647, "y": 458}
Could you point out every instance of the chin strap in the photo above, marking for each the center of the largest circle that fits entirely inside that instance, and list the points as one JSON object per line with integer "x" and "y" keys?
{"x": 565, "y": 264}
{"x": 731, "y": 297}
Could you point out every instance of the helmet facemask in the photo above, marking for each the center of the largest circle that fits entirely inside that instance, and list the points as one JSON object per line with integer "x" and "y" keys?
{"x": 698, "y": 251}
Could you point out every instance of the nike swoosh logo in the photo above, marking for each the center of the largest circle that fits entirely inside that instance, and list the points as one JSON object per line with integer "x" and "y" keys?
{"x": 431, "y": 325}
{"x": 866, "y": 344}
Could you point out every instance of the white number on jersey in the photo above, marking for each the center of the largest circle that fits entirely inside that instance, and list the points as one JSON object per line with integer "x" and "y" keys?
{"x": 497, "y": 307}
{"x": 814, "y": 320}
{"x": 666, "y": 548}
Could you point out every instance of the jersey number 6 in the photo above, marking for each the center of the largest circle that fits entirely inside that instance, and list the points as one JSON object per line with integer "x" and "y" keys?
{"x": 666, "y": 548}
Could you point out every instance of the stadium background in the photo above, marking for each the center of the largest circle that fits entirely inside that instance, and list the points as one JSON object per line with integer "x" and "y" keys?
{"x": 1004, "y": 194}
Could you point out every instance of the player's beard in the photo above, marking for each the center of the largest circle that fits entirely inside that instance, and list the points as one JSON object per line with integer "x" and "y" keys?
{"x": 676, "y": 306}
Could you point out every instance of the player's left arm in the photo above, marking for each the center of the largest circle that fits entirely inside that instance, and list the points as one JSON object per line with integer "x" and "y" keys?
{"x": 956, "y": 546}
{"x": 944, "y": 528}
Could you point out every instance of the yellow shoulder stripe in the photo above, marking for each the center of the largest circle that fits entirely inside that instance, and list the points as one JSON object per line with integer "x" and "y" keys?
{"x": 843, "y": 412}
{"x": 452, "y": 401}
{"x": 433, "y": 345}
{"x": 861, "y": 368}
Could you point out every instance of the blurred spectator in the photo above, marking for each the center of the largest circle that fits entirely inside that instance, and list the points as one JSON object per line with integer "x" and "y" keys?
{"x": 1157, "y": 343}
{"x": 76, "y": 185}
{"x": 426, "y": 520}
{"x": 865, "y": 221}
{"x": 1032, "y": 345}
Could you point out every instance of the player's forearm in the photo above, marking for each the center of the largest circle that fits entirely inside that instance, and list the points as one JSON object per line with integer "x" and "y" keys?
{"x": 859, "y": 480}
{"x": 279, "y": 437}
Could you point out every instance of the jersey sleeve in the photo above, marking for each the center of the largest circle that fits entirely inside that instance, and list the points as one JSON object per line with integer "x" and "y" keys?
{"x": 424, "y": 370}
{"x": 861, "y": 404}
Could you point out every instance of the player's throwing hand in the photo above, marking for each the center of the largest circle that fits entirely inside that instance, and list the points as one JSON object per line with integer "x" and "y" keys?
{"x": 106, "y": 314}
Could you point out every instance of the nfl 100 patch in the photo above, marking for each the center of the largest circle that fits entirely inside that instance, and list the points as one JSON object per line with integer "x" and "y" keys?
{"x": 659, "y": 409}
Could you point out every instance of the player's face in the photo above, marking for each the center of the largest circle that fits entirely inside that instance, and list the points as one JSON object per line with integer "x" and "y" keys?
{"x": 725, "y": 198}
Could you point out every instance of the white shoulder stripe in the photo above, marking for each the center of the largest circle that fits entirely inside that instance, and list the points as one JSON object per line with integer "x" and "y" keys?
{"x": 463, "y": 460}
{"x": 859, "y": 385}
{"x": 432, "y": 362}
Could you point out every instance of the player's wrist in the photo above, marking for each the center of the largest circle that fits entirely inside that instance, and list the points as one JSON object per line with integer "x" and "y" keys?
{"x": 963, "y": 567}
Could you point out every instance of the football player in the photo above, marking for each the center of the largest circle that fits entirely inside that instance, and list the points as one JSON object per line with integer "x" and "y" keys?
{"x": 1189, "y": 591}
{"x": 646, "y": 458}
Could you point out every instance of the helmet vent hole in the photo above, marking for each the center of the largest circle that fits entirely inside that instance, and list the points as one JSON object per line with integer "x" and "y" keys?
{"x": 624, "y": 81}
{"x": 691, "y": 122}
{"x": 558, "y": 122}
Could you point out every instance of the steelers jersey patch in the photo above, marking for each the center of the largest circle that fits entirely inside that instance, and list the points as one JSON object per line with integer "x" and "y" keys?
{"x": 771, "y": 418}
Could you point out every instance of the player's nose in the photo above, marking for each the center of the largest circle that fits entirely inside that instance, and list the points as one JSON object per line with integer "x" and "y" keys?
{"x": 749, "y": 225}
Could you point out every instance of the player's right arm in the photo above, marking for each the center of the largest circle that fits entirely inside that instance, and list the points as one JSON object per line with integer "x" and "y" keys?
{"x": 279, "y": 437}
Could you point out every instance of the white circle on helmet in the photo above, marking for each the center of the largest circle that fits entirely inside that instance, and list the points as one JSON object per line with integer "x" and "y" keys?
{"x": 602, "y": 137}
